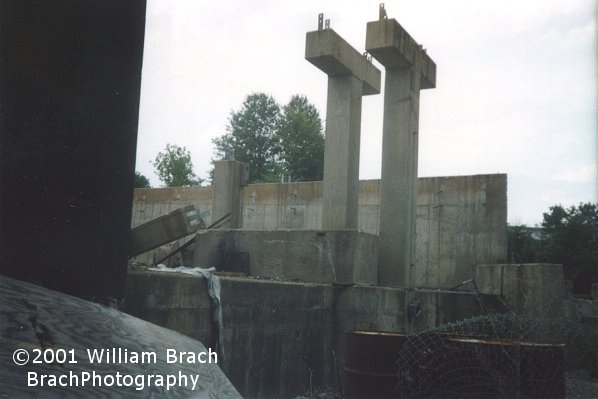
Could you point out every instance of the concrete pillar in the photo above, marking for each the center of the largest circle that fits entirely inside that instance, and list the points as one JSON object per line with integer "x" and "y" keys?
{"x": 408, "y": 69}
{"x": 350, "y": 75}
{"x": 229, "y": 179}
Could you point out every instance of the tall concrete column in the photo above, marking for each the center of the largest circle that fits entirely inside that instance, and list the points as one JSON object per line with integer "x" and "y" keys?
{"x": 350, "y": 76}
{"x": 408, "y": 69}
{"x": 229, "y": 179}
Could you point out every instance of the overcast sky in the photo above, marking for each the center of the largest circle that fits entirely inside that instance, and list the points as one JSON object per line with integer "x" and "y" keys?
{"x": 516, "y": 85}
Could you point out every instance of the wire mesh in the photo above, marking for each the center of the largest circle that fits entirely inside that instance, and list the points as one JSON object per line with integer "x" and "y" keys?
{"x": 492, "y": 356}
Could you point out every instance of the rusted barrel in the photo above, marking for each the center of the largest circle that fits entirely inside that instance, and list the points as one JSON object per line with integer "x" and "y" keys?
{"x": 542, "y": 371}
{"x": 508, "y": 368}
{"x": 370, "y": 364}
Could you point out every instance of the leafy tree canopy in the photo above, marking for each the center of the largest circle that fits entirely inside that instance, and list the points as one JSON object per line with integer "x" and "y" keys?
{"x": 275, "y": 142}
{"x": 174, "y": 167}
{"x": 301, "y": 140}
{"x": 141, "y": 181}
{"x": 250, "y": 137}
{"x": 569, "y": 236}
{"x": 572, "y": 236}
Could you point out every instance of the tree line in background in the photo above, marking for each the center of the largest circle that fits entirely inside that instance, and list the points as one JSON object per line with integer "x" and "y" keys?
{"x": 567, "y": 236}
{"x": 276, "y": 142}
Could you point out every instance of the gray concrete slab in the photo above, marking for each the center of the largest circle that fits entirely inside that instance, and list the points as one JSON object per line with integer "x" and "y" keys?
{"x": 393, "y": 47}
{"x": 335, "y": 57}
{"x": 339, "y": 256}
{"x": 533, "y": 289}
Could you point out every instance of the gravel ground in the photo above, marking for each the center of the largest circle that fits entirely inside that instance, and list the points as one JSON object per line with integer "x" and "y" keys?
{"x": 581, "y": 386}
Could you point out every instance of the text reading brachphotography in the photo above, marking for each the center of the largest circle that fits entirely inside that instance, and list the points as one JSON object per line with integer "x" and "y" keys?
{"x": 112, "y": 356}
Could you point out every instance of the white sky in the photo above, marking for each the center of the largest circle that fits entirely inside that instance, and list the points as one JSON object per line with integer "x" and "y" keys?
{"x": 516, "y": 85}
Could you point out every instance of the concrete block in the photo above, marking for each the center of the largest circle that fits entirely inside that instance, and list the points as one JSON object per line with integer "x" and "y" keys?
{"x": 229, "y": 179}
{"x": 535, "y": 289}
{"x": 343, "y": 256}
{"x": 334, "y": 56}
{"x": 164, "y": 229}
{"x": 393, "y": 47}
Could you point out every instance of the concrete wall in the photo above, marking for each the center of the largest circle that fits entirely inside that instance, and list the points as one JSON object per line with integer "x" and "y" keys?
{"x": 532, "y": 289}
{"x": 461, "y": 220}
{"x": 277, "y": 332}
{"x": 340, "y": 256}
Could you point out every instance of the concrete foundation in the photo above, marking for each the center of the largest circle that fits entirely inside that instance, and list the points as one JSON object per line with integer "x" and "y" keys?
{"x": 338, "y": 256}
{"x": 527, "y": 289}
{"x": 461, "y": 220}
{"x": 282, "y": 337}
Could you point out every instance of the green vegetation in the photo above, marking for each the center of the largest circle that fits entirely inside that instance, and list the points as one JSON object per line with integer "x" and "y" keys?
{"x": 568, "y": 236}
{"x": 174, "y": 167}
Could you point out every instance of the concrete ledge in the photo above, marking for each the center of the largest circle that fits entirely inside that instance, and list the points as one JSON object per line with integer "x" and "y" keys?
{"x": 334, "y": 56}
{"x": 393, "y": 47}
{"x": 535, "y": 289}
{"x": 342, "y": 256}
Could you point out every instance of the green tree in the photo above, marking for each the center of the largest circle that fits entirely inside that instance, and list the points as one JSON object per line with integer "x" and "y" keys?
{"x": 301, "y": 140}
{"x": 250, "y": 137}
{"x": 522, "y": 247}
{"x": 141, "y": 181}
{"x": 572, "y": 236}
{"x": 174, "y": 167}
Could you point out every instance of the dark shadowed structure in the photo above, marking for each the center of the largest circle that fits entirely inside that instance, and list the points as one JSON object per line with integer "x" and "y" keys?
{"x": 70, "y": 81}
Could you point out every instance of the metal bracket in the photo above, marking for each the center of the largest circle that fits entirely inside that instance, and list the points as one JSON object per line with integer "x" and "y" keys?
{"x": 382, "y": 12}
{"x": 414, "y": 309}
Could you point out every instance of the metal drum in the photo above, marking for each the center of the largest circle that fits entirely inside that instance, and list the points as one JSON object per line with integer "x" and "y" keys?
{"x": 370, "y": 364}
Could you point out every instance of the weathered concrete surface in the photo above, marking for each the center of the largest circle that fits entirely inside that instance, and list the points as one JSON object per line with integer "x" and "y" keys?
{"x": 342, "y": 256}
{"x": 275, "y": 332}
{"x": 407, "y": 68}
{"x": 341, "y": 153}
{"x": 229, "y": 179}
{"x": 393, "y": 47}
{"x": 535, "y": 289}
{"x": 335, "y": 57}
{"x": 150, "y": 203}
{"x": 461, "y": 220}
{"x": 398, "y": 183}
{"x": 350, "y": 75}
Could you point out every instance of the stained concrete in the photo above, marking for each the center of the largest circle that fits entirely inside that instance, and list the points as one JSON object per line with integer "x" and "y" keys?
{"x": 279, "y": 334}
{"x": 229, "y": 178}
{"x": 340, "y": 256}
{"x": 533, "y": 289}
{"x": 335, "y": 57}
{"x": 461, "y": 220}
{"x": 407, "y": 68}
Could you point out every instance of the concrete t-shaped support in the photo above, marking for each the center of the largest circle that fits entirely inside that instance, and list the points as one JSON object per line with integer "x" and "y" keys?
{"x": 408, "y": 69}
{"x": 350, "y": 75}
